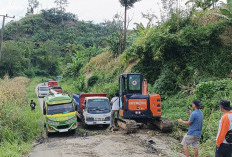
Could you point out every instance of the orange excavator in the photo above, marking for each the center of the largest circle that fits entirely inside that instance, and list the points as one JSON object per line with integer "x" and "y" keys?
{"x": 137, "y": 107}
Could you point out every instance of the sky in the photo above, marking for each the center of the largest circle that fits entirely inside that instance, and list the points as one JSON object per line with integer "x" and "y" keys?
{"x": 88, "y": 10}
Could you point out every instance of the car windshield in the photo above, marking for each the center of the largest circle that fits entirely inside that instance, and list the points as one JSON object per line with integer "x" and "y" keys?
{"x": 61, "y": 108}
{"x": 44, "y": 89}
{"x": 98, "y": 104}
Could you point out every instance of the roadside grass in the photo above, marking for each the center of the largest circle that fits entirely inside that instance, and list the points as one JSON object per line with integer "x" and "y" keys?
{"x": 19, "y": 126}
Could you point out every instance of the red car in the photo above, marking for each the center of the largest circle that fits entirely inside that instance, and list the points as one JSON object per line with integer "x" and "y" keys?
{"x": 57, "y": 89}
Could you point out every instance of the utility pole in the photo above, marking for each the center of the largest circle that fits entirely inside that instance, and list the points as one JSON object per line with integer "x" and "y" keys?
{"x": 2, "y": 31}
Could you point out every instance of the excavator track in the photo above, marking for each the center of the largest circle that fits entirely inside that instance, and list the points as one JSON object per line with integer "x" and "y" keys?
{"x": 130, "y": 126}
{"x": 163, "y": 124}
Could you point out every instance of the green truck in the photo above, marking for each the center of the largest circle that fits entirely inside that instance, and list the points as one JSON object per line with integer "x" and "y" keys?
{"x": 60, "y": 113}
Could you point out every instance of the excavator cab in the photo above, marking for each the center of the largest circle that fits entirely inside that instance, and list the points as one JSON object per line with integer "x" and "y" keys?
{"x": 130, "y": 84}
{"x": 133, "y": 104}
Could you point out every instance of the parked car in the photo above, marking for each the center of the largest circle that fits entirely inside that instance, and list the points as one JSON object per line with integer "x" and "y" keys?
{"x": 43, "y": 91}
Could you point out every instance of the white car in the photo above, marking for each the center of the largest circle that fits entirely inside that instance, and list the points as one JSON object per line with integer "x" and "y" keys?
{"x": 43, "y": 91}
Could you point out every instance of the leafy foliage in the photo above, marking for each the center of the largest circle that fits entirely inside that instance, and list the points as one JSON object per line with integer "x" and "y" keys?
{"x": 92, "y": 80}
{"x": 45, "y": 41}
{"x": 187, "y": 49}
{"x": 128, "y": 3}
{"x": 203, "y": 4}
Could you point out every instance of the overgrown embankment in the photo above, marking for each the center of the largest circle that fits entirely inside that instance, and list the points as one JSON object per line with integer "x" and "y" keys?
{"x": 183, "y": 59}
{"x": 18, "y": 124}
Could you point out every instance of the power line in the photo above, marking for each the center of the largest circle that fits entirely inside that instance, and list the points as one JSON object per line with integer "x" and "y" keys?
{"x": 2, "y": 31}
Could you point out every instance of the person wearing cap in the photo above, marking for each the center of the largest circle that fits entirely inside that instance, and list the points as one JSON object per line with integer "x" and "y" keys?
{"x": 195, "y": 123}
{"x": 224, "y": 146}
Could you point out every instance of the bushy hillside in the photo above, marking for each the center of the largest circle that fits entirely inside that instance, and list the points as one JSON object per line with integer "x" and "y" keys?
{"x": 43, "y": 44}
{"x": 60, "y": 27}
{"x": 182, "y": 61}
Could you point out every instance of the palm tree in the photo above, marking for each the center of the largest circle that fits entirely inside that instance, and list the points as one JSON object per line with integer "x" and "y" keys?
{"x": 127, "y": 4}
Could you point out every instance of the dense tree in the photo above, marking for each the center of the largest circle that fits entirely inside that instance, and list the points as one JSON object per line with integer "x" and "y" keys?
{"x": 127, "y": 4}
{"x": 150, "y": 17}
{"x": 203, "y": 4}
{"x": 32, "y": 4}
{"x": 61, "y": 4}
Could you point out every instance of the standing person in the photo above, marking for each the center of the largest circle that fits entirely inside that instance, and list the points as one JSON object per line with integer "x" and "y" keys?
{"x": 32, "y": 105}
{"x": 224, "y": 136}
{"x": 115, "y": 108}
{"x": 195, "y": 123}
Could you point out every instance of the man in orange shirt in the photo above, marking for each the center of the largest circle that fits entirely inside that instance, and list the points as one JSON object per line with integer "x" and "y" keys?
{"x": 224, "y": 143}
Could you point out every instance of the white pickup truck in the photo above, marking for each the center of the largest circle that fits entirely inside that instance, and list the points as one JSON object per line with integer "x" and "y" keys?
{"x": 96, "y": 111}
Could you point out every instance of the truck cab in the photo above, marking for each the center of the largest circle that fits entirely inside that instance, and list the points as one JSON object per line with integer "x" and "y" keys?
{"x": 60, "y": 113}
{"x": 96, "y": 111}
{"x": 52, "y": 83}
{"x": 43, "y": 91}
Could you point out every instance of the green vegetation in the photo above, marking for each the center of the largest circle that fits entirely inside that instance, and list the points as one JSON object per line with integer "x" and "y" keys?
{"x": 19, "y": 125}
{"x": 185, "y": 57}
{"x": 182, "y": 61}
{"x": 45, "y": 43}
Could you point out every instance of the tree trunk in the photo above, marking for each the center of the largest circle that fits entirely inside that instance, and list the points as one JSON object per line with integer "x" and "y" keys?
{"x": 125, "y": 29}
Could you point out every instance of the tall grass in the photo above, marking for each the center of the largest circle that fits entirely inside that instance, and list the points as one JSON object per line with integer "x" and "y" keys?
{"x": 18, "y": 124}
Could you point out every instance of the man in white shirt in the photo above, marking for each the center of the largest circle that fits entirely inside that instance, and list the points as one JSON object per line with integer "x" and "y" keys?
{"x": 115, "y": 108}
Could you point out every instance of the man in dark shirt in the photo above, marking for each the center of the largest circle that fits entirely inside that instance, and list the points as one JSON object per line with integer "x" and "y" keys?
{"x": 195, "y": 123}
{"x": 32, "y": 105}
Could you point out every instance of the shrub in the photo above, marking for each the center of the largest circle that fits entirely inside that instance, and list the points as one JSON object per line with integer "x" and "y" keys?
{"x": 92, "y": 80}
{"x": 166, "y": 82}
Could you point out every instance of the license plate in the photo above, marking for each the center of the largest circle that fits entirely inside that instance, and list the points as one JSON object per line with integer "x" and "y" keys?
{"x": 98, "y": 119}
{"x": 63, "y": 130}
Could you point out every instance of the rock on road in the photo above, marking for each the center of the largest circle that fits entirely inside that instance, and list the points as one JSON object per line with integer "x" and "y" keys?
{"x": 107, "y": 144}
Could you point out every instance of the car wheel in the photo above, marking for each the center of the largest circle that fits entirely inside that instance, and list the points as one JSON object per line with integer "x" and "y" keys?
{"x": 73, "y": 131}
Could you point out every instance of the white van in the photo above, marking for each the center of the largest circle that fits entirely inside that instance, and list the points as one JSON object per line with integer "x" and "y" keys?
{"x": 96, "y": 111}
{"x": 43, "y": 91}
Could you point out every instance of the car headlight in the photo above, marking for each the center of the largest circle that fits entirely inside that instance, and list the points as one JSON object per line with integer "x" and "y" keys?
{"x": 74, "y": 119}
{"x": 53, "y": 122}
{"x": 89, "y": 119}
{"x": 107, "y": 118}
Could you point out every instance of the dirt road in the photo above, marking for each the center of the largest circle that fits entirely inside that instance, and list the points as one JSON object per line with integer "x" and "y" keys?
{"x": 103, "y": 143}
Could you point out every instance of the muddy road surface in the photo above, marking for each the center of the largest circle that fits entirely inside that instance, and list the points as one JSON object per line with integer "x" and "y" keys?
{"x": 100, "y": 142}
